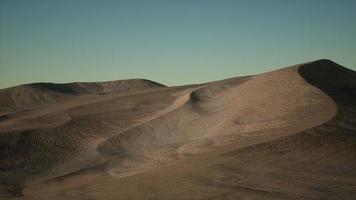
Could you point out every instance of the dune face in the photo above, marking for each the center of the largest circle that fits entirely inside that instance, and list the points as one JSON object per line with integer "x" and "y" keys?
{"x": 286, "y": 134}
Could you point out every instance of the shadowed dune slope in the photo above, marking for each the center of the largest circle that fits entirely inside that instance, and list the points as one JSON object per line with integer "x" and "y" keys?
{"x": 286, "y": 134}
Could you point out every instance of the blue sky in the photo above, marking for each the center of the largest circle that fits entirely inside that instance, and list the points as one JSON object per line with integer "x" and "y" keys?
{"x": 171, "y": 42}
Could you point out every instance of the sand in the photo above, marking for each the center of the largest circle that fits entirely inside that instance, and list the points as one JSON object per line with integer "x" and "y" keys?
{"x": 285, "y": 134}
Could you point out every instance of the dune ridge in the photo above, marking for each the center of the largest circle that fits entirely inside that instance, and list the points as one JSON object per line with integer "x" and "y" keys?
{"x": 245, "y": 137}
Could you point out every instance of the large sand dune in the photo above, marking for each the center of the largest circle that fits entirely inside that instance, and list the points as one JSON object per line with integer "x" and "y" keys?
{"x": 286, "y": 134}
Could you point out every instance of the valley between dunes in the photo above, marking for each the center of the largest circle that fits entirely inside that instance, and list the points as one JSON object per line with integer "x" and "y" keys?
{"x": 285, "y": 134}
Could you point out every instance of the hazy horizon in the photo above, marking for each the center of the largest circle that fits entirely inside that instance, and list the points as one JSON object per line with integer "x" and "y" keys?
{"x": 170, "y": 42}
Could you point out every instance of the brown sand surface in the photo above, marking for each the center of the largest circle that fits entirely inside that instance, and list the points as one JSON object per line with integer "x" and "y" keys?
{"x": 285, "y": 134}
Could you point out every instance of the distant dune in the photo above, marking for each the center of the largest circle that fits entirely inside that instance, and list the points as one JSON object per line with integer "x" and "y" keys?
{"x": 285, "y": 134}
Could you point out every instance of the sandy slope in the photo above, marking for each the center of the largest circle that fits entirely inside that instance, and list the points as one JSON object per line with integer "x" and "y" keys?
{"x": 286, "y": 134}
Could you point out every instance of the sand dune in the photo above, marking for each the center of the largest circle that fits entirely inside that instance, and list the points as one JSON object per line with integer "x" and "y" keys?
{"x": 286, "y": 134}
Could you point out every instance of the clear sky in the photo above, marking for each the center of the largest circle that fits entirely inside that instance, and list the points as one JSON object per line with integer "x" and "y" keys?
{"x": 172, "y": 42}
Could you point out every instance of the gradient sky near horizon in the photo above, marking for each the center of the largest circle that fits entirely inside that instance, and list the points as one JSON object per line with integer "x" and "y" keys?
{"x": 171, "y": 42}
